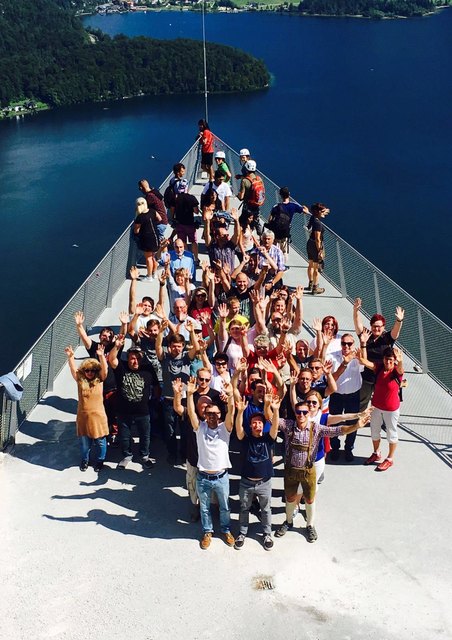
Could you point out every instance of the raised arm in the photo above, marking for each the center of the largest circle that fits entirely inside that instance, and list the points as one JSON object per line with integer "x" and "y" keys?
{"x": 362, "y": 352}
{"x": 399, "y": 366}
{"x": 229, "y": 420}
{"x": 191, "y": 388}
{"x": 159, "y": 339}
{"x": 113, "y": 355}
{"x": 208, "y": 215}
{"x": 357, "y": 321}
{"x": 240, "y": 406}
{"x": 131, "y": 330}
{"x": 134, "y": 273}
{"x": 298, "y": 319}
{"x": 236, "y": 234}
{"x": 124, "y": 321}
{"x": 362, "y": 421}
{"x": 69, "y": 351}
{"x": 103, "y": 362}
{"x": 293, "y": 390}
{"x": 79, "y": 318}
{"x": 178, "y": 387}
{"x": 399, "y": 316}
{"x": 331, "y": 382}
{"x": 275, "y": 404}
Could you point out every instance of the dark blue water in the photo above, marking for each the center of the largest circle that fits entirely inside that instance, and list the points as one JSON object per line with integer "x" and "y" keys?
{"x": 358, "y": 117}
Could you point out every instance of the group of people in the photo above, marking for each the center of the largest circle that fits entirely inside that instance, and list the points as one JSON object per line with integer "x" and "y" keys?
{"x": 219, "y": 353}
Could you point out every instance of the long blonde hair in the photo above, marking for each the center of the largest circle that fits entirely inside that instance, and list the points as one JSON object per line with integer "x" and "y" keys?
{"x": 89, "y": 363}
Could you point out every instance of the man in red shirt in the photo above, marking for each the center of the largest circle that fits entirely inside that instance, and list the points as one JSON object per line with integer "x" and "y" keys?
{"x": 206, "y": 139}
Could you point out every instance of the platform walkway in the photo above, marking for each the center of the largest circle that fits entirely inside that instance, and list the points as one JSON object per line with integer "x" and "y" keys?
{"x": 113, "y": 556}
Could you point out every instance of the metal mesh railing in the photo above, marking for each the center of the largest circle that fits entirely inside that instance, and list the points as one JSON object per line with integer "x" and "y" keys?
{"x": 425, "y": 338}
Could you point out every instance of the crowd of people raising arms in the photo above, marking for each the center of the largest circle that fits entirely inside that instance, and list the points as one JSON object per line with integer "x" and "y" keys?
{"x": 220, "y": 354}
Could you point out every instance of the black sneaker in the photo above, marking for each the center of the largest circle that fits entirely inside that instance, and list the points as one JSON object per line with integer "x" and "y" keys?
{"x": 239, "y": 541}
{"x": 98, "y": 466}
{"x": 268, "y": 542}
{"x": 308, "y": 288}
{"x": 316, "y": 291}
{"x": 283, "y": 529}
{"x": 84, "y": 465}
{"x": 349, "y": 457}
{"x": 334, "y": 455}
{"x": 146, "y": 462}
{"x": 311, "y": 533}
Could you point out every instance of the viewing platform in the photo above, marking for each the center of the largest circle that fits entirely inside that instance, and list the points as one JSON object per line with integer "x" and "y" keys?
{"x": 113, "y": 555}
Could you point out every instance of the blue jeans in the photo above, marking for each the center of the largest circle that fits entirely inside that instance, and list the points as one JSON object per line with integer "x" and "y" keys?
{"x": 99, "y": 444}
{"x": 170, "y": 423}
{"x": 204, "y": 488}
{"x": 161, "y": 228}
{"x": 143, "y": 425}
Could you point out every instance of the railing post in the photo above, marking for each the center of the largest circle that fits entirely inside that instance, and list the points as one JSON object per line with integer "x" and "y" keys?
{"x": 51, "y": 373}
{"x": 110, "y": 280}
{"x": 424, "y": 361}
{"x": 377, "y": 294}
{"x": 341, "y": 270}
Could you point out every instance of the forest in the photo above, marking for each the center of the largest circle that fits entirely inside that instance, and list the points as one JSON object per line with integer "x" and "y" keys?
{"x": 47, "y": 55}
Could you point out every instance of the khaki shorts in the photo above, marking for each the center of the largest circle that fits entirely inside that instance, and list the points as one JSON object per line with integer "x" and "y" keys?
{"x": 306, "y": 477}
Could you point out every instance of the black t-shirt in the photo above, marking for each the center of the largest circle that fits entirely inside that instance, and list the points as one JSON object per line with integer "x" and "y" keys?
{"x": 134, "y": 390}
{"x": 109, "y": 382}
{"x": 315, "y": 225}
{"x": 257, "y": 456}
{"x": 374, "y": 353}
{"x": 147, "y": 233}
{"x": 184, "y": 209}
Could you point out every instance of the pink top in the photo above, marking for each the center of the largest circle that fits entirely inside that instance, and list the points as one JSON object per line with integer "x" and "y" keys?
{"x": 387, "y": 385}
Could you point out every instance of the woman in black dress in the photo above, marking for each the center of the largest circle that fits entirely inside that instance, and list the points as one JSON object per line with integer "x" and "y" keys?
{"x": 145, "y": 228}
{"x": 314, "y": 247}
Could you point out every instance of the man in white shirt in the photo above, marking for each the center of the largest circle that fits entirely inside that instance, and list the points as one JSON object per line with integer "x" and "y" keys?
{"x": 222, "y": 188}
{"x": 212, "y": 437}
{"x": 347, "y": 373}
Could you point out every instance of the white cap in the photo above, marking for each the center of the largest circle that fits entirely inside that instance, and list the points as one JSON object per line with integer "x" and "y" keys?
{"x": 220, "y": 154}
{"x": 250, "y": 165}
{"x": 244, "y": 152}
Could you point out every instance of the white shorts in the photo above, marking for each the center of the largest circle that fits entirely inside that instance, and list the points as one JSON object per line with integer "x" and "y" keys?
{"x": 390, "y": 420}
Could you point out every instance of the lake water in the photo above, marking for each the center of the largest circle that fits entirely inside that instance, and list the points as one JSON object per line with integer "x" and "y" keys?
{"x": 358, "y": 117}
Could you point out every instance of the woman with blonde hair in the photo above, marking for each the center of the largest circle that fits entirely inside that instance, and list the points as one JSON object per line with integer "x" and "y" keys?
{"x": 91, "y": 422}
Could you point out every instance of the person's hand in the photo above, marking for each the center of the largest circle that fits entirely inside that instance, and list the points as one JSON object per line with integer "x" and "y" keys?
{"x": 142, "y": 333}
{"x": 241, "y": 405}
{"x": 163, "y": 325}
{"x": 298, "y": 293}
{"x": 164, "y": 243}
{"x": 244, "y": 330}
{"x": 326, "y": 338}
{"x": 162, "y": 276}
{"x": 204, "y": 265}
{"x": 242, "y": 365}
{"x": 227, "y": 388}
{"x": 189, "y": 325}
{"x": 274, "y": 295}
{"x": 223, "y": 310}
{"x": 79, "y": 318}
{"x": 159, "y": 310}
{"x": 134, "y": 273}
{"x": 328, "y": 367}
{"x": 399, "y": 314}
{"x": 139, "y": 308}
{"x": 69, "y": 351}
{"x": 186, "y": 274}
{"x": 246, "y": 258}
{"x": 202, "y": 346}
{"x": 398, "y": 354}
{"x": 275, "y": 402}
{"x": 357, "y": 304}
{"x": 263, "y": 364}
{"x": 210, "y": 276}
{"x": 317, "y": 324}
{"x": 191, "y": 386}
{"x": 350, "y": 356}
{"x": 226, "y": 268}
{"x": 365, "y": 335}
{"x": 364, "y": 417}
{"x": 285, "y": 325}
{"x": 120, "y": 339}
{"x": 305, "y": 209}
{"x": 100, "y": 351}
{"x": 204, "y": 317}
{"x": 166, "y": 259}
{"x": 293, "y": 378}
{"x": 178, "y": 385}
{"x": 123, "y": 317}
{"x": 234, "y": 214}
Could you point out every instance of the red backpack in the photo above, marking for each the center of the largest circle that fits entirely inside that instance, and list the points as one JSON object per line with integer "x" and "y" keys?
{"x": 256, "y": 194}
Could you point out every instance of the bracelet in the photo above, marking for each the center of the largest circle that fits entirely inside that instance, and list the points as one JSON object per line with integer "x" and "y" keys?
{"x": 363, "y": 346}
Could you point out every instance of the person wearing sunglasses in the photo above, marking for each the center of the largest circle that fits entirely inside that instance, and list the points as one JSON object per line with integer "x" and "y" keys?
{"x": 91, "y": 422}
{"x": 347, "y": 373}
{"x": 212, "y": 438}
{"x": 301, "y": 440}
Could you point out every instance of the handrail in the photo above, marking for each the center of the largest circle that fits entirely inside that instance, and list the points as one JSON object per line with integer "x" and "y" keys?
{"x": 425, "y": 338}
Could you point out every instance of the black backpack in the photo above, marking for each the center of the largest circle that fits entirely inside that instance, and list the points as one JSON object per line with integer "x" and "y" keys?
{"x": 279, "y": 222}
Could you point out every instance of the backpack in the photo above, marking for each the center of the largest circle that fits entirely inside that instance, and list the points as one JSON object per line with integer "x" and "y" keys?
{"x": 169, "y": 197}
{"x": 279, "y": 222}
{"x": 256, "y": 194}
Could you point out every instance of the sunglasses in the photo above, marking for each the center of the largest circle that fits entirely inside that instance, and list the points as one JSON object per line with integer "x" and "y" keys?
{"x": 91, "y": 370}
{"x": 204, "y": 379}
{"x": 315, "y": 368}
{"x": 210, "y": 414}
{"x": 313, "y": 402}
{"x": 221, "y": 364}
{"x": 347, "y": 344}
{"x": 301, "y": 412}
{"x": 201, "y": 295}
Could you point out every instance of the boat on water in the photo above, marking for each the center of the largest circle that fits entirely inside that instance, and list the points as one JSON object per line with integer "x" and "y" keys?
{"x": 109, "y": 543}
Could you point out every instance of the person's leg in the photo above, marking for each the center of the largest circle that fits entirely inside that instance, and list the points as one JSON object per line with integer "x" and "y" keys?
{"x": 100, "y": 445}
{"x": 319, "y": 466}
{"x": 221, "y": 488}
{"x": 169, "y": 421}
{"x": 144, "y": 431}
{"x": 365, "y": 394}
{"x": 336, "y": 407}
{"x": 391, "y": 419}
{"x": 246, "y": 494}
{"x": 125, "y": 436}
{"x": 310, "y": 273}
{"x": 149, "y": 257}
{"x": 264, "y": 494}
{"x": 85, "y": 447}
{"x": 351, "y": 405}
{"x": 204, "y": 489}
{"x": 376, "y": 420}
{"x": 190, "y": 479}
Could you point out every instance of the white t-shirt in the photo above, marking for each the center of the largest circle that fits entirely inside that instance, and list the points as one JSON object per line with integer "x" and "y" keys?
{"x": 350, "y": 381}
{"x": 223, "y": 190}
{"x": 213, "y": 447}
